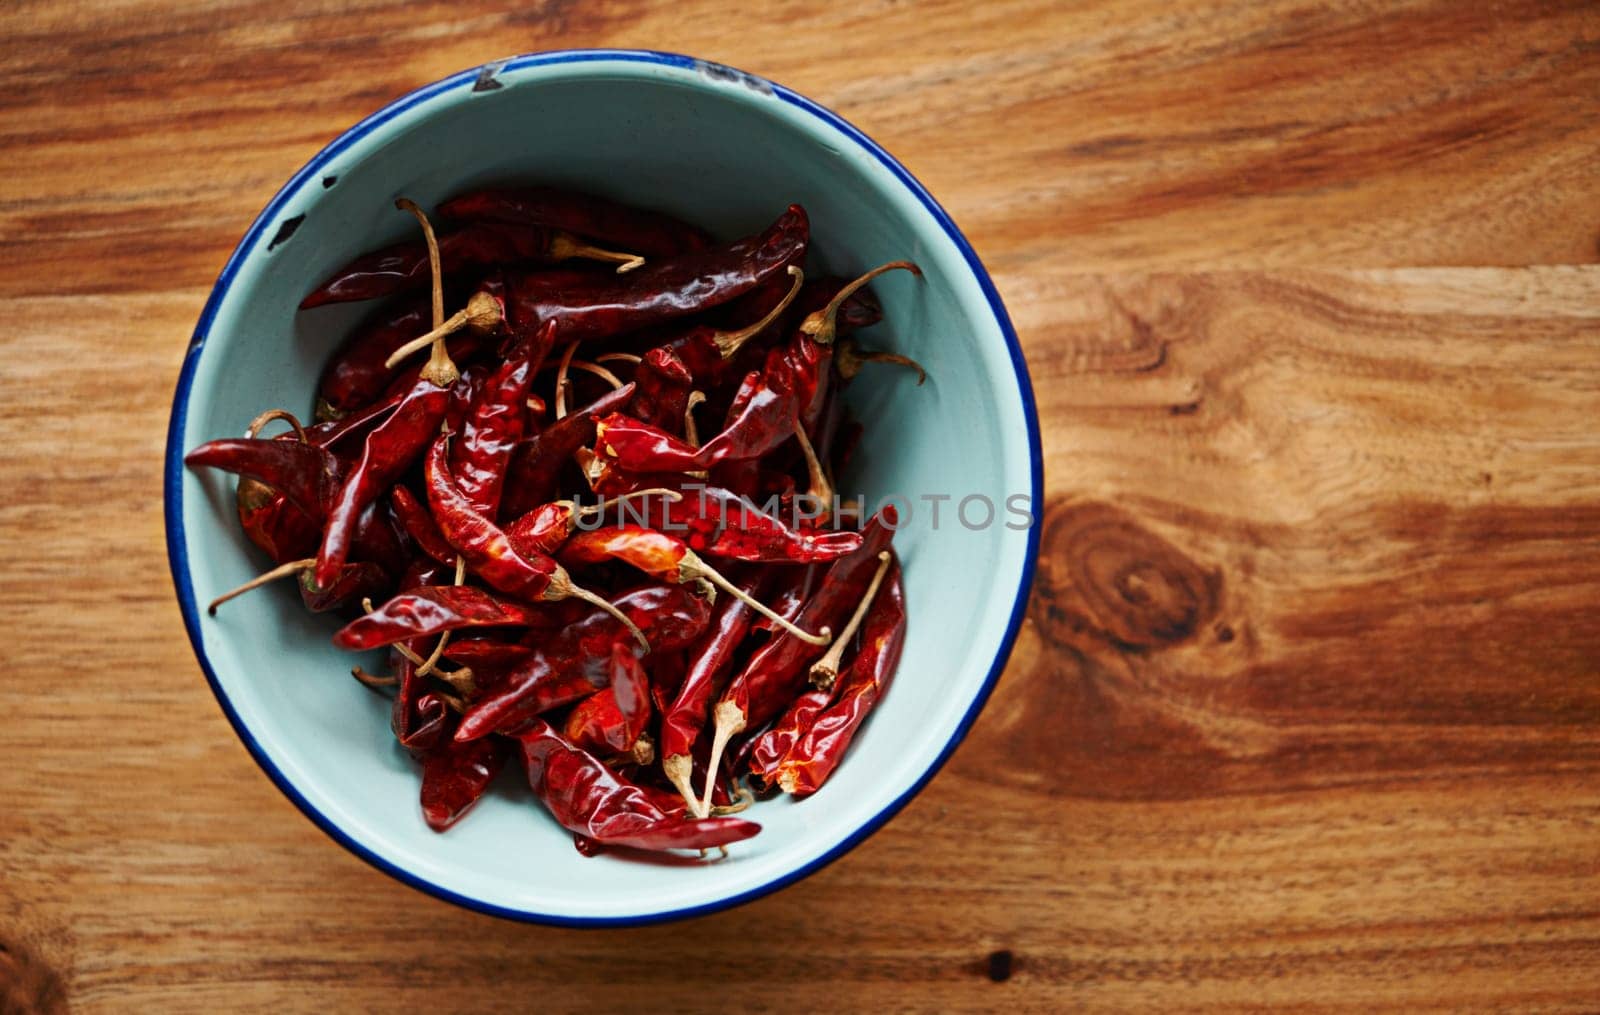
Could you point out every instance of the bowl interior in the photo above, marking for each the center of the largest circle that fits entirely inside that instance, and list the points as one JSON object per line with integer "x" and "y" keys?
{"x": 717, "y": 149}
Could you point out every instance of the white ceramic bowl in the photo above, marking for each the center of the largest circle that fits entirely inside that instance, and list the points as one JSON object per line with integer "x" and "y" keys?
{"x": 718, "y": 147}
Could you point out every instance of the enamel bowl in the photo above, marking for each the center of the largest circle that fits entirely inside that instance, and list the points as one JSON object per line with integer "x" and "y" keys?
{"x": 728, "y": 151}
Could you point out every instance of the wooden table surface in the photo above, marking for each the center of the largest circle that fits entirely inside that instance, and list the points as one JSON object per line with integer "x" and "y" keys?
{"x": 1307, "y": 706}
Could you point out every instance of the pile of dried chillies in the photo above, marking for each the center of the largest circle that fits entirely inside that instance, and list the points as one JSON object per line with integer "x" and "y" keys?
{"x": 527, "y": 516}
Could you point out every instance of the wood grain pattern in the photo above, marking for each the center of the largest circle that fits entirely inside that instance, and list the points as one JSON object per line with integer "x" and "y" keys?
{"x": 1307, "y": 707}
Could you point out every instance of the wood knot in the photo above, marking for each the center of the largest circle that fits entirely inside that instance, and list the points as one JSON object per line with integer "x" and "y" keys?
{"x": 1106, "y": 578}
{"x": 28, "y": 985}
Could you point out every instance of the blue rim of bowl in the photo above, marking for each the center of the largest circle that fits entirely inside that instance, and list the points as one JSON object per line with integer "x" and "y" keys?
{"x": 177, "y": 545}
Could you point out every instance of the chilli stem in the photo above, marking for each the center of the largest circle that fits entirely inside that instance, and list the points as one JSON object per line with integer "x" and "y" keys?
{"x": 440, "y": 368}
{"x": 564, "y": 246}
{"x": 598, "y": 370}
{"x": 822, "y": 325}
{"x": 562, "y": 587}
{"x": 254, "y": 429}
{"x": 821, "y": 486}
{"x": 281, "y": 571}
{"x": 692, "y": 567}
{"x": 481, "y": 314}
{"x": 730, "y": 719}
{"x": 826, "y": 670}
{"x": 562, "y": 384}
{"x": 371, "y": 680}
{"x": 729, "y": 342}
{"x": 680, "y": 770}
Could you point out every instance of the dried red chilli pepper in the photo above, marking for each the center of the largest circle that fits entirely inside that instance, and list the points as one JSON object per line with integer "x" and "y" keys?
{"x": 495, "y": 424}
{"x": 373, "y": 575}
{"x": 666, "y": 672}
{"x": 431, "y": 610}
{"x": 575, "y": 661}
{"x": 404, "y": 265}
{"x": 487, "y": 551}
{"x": 486, "y": 653}
{"x": 814, "y": 757}
{"x": 775, "y": 674}
{"x": 420, "y": 526}
{"x": 743, "y": 477}
{"x": 664, "y": 383}
{"x": 388, "y": 449}
{"x": 807, "y": 364}
{"x": 464, "y": 395}
{"x": 859, "y": 310}
{"x": 306, "y": 478}
{"x": 358, "y": 373}
{"x": 771, "y": 747}
{"x": 536, "y": 465}
{"x": 712, "y": 520}
{"x": 587, "y": 306}
{"x": 773, "y": 744}
{"x": 703, "y": 357}
{"x": 825, "y": 437}
{"x": 760, "y": 419}
{"x": 600, "y": 726}
{"x": 760, "y": 422}
{"x": 403, "y": 381}
{"x": 455, "y": 776}
{"x": 720, "y": 523}
{"x": 424, "y": 724}
{"x": 266, "y": 516}
{"x": 635, "y": 446}
{"x": 809, "y": 353}
{"x": 546, "y": 527}
{"x": 837, "y": 592}
{"x": 650, "y": 233}
{"x": 380, "y": 540}
{"x": 270, "y": 521}
{"x": 593, "y": 802}
{"x": 613, "y": 719}
{"x": 309, "y": 476}
{"x": 761, "y": 301}
{"x": 668, "y": 558}
{"x": 355, "y": 375}
{"x": 355, "y": 582}
{"x": 609, "y": 482}
{"x": 683, "y": 719}
{"x": 795, "y": 588}
{"x": 422, "y": 571}
{"x": 344, "y": 431}
{"x": 418, "y": 717}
